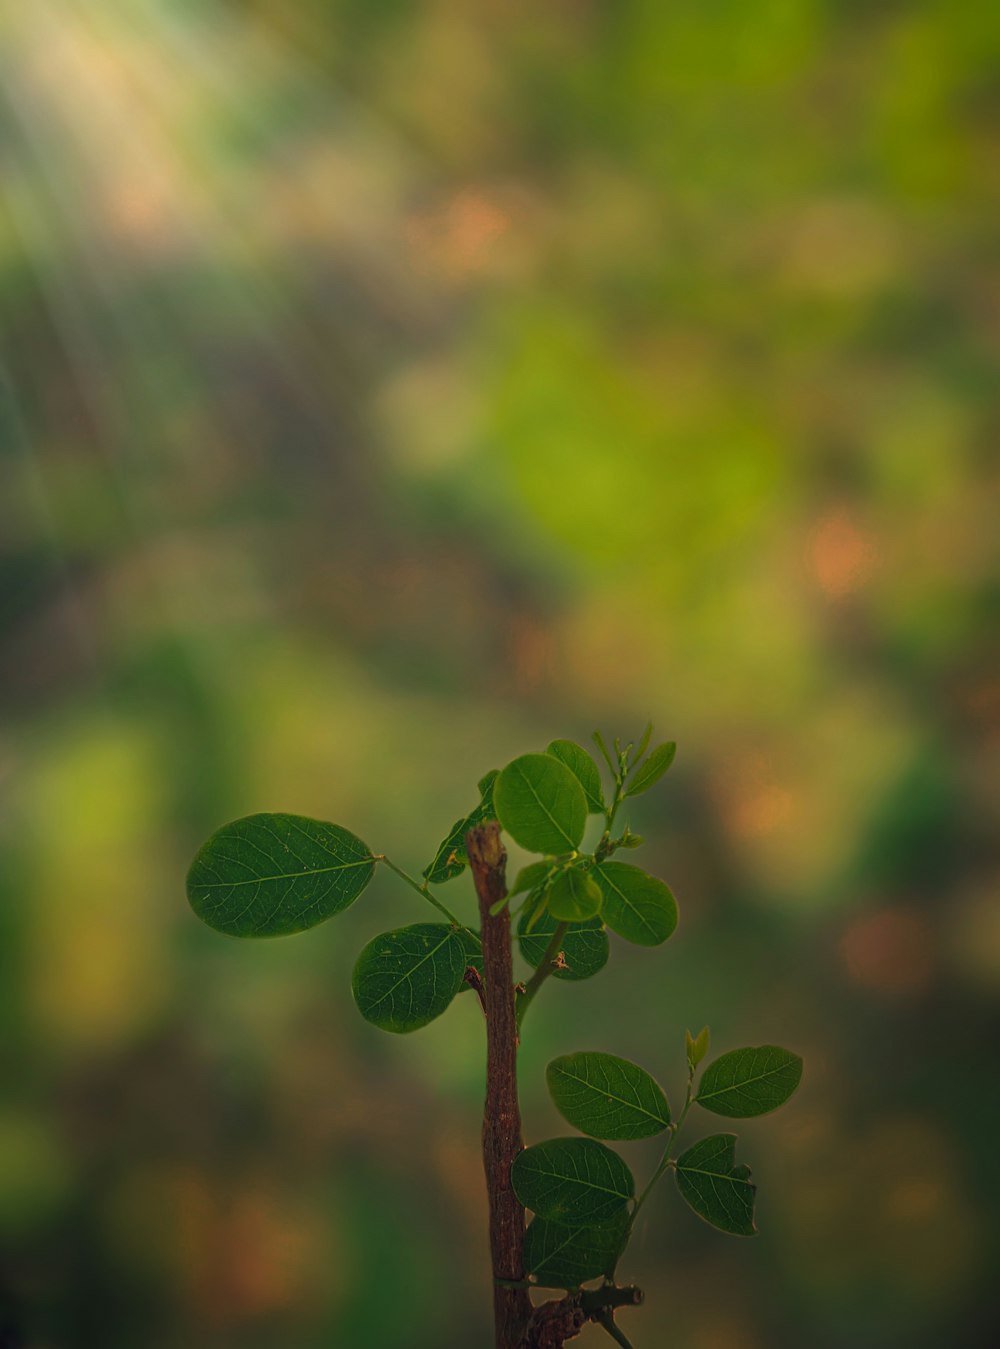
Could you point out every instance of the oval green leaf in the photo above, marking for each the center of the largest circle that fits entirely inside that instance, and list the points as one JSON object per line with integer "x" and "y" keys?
{"x": 649, "y": 773}
{"x": 405, "y": 978}
{"x": 717, "y": 1188}
{"x": 583, "y": 768}
{"x": 557, "y": 1256}
{"x": 637, "y": 906}
{"x": 574, "y": 897}
{"x": 574, "y": 1181}
{"x": 540, "y": 804}
{"x": 270, "y": 875}
{"x": 585, "y": 946}
{"x": 450, "y": 859}
{"x": 748, "y": 1082}
{"x": 607, "y": 1097}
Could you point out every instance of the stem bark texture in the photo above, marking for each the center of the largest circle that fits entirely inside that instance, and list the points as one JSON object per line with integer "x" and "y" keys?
{"x": 502, "y": 1139}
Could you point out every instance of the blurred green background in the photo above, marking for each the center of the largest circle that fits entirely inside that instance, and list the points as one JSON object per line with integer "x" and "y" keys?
{"x": 387, "y": 389}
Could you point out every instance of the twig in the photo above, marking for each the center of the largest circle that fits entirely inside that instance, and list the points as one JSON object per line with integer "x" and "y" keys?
{"x": 553, "y": 1323}
{"x": 548, "y": 964}
{"x": 474, "y": 979}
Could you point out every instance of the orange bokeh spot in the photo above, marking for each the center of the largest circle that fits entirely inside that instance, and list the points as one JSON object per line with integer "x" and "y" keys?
{"x": 842, "y": 554}
{"x": 459, "y": 237}
{"x": 890, "y": 951}
{"x": 751, "y": 803}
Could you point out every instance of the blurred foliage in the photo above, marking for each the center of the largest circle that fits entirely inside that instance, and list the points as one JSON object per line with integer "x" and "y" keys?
{"x": 388, "y": 389}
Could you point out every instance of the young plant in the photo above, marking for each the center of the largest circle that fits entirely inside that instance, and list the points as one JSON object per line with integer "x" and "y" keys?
{"x": 269, "y": 875}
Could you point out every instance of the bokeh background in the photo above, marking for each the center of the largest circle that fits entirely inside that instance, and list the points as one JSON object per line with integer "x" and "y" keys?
{"x": 387, "y": 389}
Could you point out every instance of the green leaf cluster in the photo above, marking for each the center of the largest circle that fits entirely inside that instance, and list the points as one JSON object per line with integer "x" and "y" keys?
{"x": 543, "y": 801}
{"x": 583, "y": 1194}
{"x": 271, "y": 875}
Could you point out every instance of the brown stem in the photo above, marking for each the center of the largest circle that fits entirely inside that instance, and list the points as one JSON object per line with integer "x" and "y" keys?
{"x": 501, "y": 1117}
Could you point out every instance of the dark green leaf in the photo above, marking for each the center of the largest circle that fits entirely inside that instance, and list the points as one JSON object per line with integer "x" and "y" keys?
{"x": 637, "y": 906}
{"x": 607, "y": 1097}
{"x": 748, "y": 1082}
{"x": 585, "y": 946}
{"x": 529, "y": 877}
{"x": 653, "y": 769}
{"x": 450, "y": 859}
{"x": 540, "y": 804}
{"x": 696, "y": 1046}
{"x": 573, "y": 1181}
{"x": 565, "y": 1257}
{"x": 574, "y": 897}
{"x": 715, "y": 1187}
{"x": 269, "y": 875}
{"x": 473, "y": 949}
{"x": 640, "y": 749}
{"x": 407, "y": 977}
{"x": 583, "y": 768}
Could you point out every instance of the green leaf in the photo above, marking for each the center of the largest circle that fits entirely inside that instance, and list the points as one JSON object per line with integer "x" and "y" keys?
{"x": 557, "y": 1256}
{"x": 585, "y": 946}
{"x": 715, "y": 1187}
{"x": 696, "y": 1046}
{"x": 574, "y": 1181}
{"x": 473, "y": 948}
{"x": 574, "y": 897}
{"x": 641, "y": 747}
{"x": 450, "y": 859}
{"x": 540, "y": 804}
{"x": 269, "y": 875}
{"x": 583, "y": 768}
{"x": 653, "y": 769}
{"x": 607, "y": 1097}
{"x": 407, "y": 977}
{"x": 598, "y": 740}
{"x": 529, "y": 877}
{"x": 748, "y": 1082}
{"x": 637, "y": 906}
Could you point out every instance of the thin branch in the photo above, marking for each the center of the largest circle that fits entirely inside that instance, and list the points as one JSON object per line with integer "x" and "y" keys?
{"x": 555, "y": 1322}
{"x": 606, "y": 1321}
{"x": 425, "y": 891}
{"x": 548, "y": 964}
{"x": 474, "y": 979}
{"x": 501, "y": 1117}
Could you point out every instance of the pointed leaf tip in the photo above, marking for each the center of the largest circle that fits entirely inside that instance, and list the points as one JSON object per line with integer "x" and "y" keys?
{"x": 696, "y": 1046}
{"x": 649, "y": 773}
